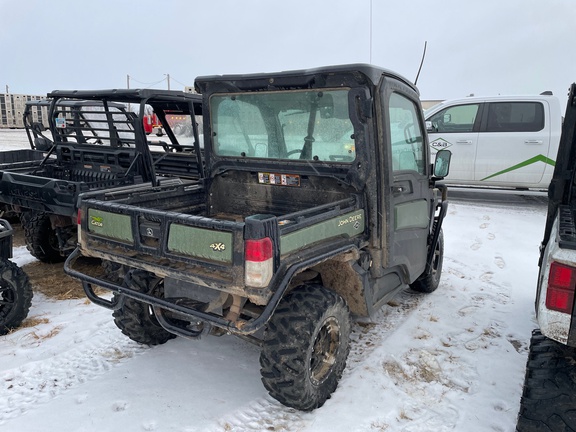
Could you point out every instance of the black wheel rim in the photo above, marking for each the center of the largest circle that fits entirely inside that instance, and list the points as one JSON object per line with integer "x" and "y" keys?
{"x": 6, "y": 297}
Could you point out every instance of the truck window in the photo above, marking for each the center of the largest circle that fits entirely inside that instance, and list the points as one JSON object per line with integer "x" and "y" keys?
{"x": 515, "y": 117}
{"x": 458, "y": 118}
{"x": 405, "y": 135}
{"x": 306, "y": 125}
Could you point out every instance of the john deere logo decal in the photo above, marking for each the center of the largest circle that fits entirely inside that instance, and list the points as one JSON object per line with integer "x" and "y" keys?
{"x": 218, "y": 247}
{"x": 97, "y": 221}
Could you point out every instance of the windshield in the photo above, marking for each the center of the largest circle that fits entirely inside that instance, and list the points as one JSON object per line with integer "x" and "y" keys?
{"x": 307, "y": 125}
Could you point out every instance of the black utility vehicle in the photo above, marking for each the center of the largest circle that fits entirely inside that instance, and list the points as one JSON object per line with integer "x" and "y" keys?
{"x": 549, "y": 397}
{"x": 95, "y": 141}
{"x": 319, "y": 202}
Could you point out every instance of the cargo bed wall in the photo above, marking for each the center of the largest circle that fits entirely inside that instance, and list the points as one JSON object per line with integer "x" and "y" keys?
{"x": 20, "y": 159}
{"x": 245, "y": 193}
{"x": 54, "y": 186}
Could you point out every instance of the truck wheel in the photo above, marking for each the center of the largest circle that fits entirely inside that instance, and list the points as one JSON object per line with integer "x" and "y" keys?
{"x": 136, "y": 319}
{"x": 41, "y": 239}
{"x": 15, "y": 296}
{"x": 549, "y": 397}
{"x": 429, "y": 281}
{"x": 306, "y": 344}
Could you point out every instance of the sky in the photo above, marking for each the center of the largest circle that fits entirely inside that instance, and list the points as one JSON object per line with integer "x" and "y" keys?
{"x": 484, "y": 47}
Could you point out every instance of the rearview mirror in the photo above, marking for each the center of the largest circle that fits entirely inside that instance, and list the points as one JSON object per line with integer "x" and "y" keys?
{"x": 442, "y": 163}
{"x": 326, "y": 106}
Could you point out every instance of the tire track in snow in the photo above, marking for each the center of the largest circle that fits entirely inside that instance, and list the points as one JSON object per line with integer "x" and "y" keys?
{"x": 268, "y": 414}
{"x": 40, "y": 381}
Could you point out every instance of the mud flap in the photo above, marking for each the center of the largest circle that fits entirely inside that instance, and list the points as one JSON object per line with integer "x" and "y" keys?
{"x": 437, "y": 228}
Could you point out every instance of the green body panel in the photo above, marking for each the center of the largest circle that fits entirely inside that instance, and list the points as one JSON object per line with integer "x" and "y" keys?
{"x": 412, "y": 214}
{"x": 350, "y": 224}
{"x": 113, "y": 225}
{"x": 200, "y": 243}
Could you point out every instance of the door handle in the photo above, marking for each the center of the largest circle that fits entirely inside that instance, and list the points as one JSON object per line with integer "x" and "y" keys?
{"x": 464, "y": 142}
{"x": 533, "y": 142}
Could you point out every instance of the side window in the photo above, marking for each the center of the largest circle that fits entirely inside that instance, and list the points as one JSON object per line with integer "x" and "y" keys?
{"x": 515, "y": 117}
{"x": 458, "y": 118}
{"x": 408, "y": 151}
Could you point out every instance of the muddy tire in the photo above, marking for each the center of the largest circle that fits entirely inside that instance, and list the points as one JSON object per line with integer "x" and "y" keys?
{"x": 428, "y": 282}
{"x": 549, "y": 397}
{"x": 15, "y": 296}
{"x": 136, "y": 319}
{"x": 306, "y": 344}
{"x": 41, "y": 239}
{"x": 113, "y": 271}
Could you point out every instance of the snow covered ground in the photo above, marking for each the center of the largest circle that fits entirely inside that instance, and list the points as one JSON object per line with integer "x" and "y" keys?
{"x": 448, "y": 361}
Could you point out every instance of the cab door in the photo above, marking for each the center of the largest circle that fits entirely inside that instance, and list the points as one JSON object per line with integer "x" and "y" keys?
{"x": 455, "y": 128}
{"x": 410, "y": 195}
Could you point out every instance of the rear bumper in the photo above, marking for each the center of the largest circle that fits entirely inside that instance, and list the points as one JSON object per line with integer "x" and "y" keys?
{"x": 276, "y": 289}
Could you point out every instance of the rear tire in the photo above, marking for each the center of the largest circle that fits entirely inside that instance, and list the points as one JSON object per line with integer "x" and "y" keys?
{"x": 306, "y": 344}
{"x": 549, "y": 397}
{"x": 41, "y": 239}
{"x": 136, "y": 319}
{"x": 428, "y": 282}
{"x": 15, "y": 296}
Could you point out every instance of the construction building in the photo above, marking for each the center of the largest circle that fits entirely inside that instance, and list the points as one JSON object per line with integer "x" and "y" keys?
{"x": 12, "y": 110}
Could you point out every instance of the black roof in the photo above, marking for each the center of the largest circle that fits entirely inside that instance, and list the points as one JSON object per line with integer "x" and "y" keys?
{"x": 72, "y": 103}
{"x": 126, "y": 95}
{"x": 361, "y": 71}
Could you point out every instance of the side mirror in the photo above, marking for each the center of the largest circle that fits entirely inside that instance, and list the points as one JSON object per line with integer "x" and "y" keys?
{"x": 442, "y": 163}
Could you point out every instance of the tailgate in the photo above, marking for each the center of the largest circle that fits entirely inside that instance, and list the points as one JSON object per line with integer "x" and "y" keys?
{"x": 169, "y": 241}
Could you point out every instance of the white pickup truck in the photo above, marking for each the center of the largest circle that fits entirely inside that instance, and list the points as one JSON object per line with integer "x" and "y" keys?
{"x": 498, "y": 141}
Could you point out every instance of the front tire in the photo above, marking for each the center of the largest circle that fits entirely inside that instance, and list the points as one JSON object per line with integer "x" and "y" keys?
{"x": 429, "y": 281}
{"x": 306, "y": 344}
{"x": 136, "y": 319}
{"x": 15, "y": 296}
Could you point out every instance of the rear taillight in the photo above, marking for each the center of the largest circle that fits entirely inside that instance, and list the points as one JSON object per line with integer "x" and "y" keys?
{"x": 79, "y": 217}
{"x": 259, "y": 265}
{"x": 561, "y": 283}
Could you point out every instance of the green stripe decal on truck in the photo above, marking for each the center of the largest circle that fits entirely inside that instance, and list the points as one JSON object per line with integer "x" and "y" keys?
{"x": 200, "y": 243}
{"x": 113, "y": 225}
{"x": 347, "y": 225}
{"x": 539, "y": 158}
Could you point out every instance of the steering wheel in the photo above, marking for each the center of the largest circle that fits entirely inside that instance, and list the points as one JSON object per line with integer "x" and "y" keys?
{"x": 292, "y": 152}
